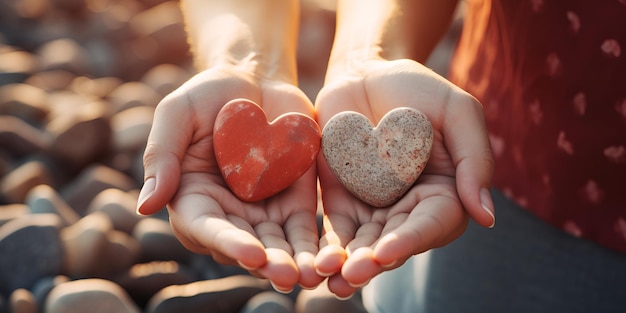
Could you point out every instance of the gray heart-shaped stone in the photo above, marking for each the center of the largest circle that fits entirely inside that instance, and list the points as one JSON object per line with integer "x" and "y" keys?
{"x": 378, "y": 164}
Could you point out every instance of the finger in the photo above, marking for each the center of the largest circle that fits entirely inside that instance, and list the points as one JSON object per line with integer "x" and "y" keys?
{"x": 360, "y": 267}
{"x": 466, "y": 138}
{"x": 301, "y": 231}
{"x": 200, "y": 221}
{"x": 338, "y": 230}
{"x": 280, "y": 268}
{"x": 432, "y": 223}
{"x": 168, "y": 140}
{"x": 340, "y": 287}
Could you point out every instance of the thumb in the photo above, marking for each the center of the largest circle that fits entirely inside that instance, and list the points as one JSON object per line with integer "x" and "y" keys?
{"x": 168, "y": 140}
{"x": 468, "y": 143}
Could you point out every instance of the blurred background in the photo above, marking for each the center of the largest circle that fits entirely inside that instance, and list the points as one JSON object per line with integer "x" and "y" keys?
{"x": 79, "y": 81}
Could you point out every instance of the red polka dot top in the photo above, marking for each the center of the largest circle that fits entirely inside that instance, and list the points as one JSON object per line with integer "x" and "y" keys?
{"x": 552, "y": 77}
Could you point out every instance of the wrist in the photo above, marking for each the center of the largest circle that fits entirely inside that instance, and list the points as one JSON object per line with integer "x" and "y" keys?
{"x": 359, "y": 40}
{"x": 387, "y": 30}
{"x": 256, "y": 36}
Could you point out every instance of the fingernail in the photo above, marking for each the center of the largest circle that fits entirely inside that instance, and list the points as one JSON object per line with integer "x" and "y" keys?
{"x": 245, "y": 267}
{"x": 146, "y": 192}
{"x": 323, "y": 274}
{"x": 283, "y": 291}
{"x": 343, "y": 298}
{"x": 487, "y": 204}
{"x": 358, "y": 285}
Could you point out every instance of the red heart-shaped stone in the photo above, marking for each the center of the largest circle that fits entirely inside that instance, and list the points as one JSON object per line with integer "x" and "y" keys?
{"x": 258, "y": 159}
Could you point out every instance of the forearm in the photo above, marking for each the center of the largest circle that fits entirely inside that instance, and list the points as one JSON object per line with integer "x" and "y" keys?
{"x": 260, "y": 35}
{"x": 393, "y": 29}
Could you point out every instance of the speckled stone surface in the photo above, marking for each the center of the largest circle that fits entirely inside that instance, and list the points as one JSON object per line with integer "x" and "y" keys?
{"x": 259, "y": 159}
{"x": 378, "y": 164}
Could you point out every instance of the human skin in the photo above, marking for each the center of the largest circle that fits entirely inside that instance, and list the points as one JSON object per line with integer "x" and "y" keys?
{"x": 246, "y": 49}
{"x": 375, "y": 67}
{"x": 242, "y": 49}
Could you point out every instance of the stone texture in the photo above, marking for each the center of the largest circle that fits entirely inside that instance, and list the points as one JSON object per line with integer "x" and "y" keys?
{"x": 120, "y": 252}
{"x": 23, "y": 301}
{"x": 9, "y": 212}
{"x": 321, "y": 299}
{"x": 16, "y": 184}
{"x": 90, "y": 182}
{"x": 131, "y": 128}
{"x": 15, "y": 66}
{"x": 98, "y": 87}
{"x": 52, "y": 80}
{"x": 64, "y": 54}
{"x": 82, "y": 135}
{"x": 165, "y": 78}
{"x": 32, "y": 241}
{"x": 44, "y": 285}
{"x": 378, "y": 164}
{"x": 269, "y": 302}
{"x": 158, "y": 242}
{"x": 161, "y": 28}
{"x": 45, "y": 199}
{"x": 89, "y": 295}
{"x": 224, "y": 295}
{"x": 24, "y": 101}
{"x": 144, "y": 280}
{"x": 84, "y": 244}
{"x": 119, "y": 206}
{"x": 20, "y": 138}
{"x": 133, "y": 94}
{"x": 259, "y": 159}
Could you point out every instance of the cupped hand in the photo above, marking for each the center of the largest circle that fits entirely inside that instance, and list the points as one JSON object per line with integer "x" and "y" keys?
{"x": 275, "y": 238}
{"x": 360, "y": 241}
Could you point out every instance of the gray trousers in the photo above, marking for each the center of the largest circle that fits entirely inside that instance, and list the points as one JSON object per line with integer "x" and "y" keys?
{"x": 521, "y": 265}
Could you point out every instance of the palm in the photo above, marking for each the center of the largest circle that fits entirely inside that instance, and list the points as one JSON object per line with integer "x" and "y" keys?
{"x": 360, "y": 241}
{"x": 276, "y": 238}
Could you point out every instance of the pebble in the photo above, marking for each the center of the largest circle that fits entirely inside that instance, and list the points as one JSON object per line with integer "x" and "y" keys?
{"x": 84, "y": 244}
{"x": 158, "y": 242}
{"x": 81, "y": 136}
{"x": 20, "y": 139}
{"x": 131, "y": 128}
{"x": 45, "y": 199}
{"x": 33, "y": 243}
{"x": 119, "y": 206}
{"x": 16, "y": 184}
{"x": 9, "y": 212}
{"x": 378, "y": 164}
{"x": 64, "y": 54}
{"x": 132, "y": 94}
{"x": 89, "y": 295}
{"x": 23, "y": 301}
{"x": 224, "y": 295}
{"x": 121, "y": 252}
{"x": 165, "y": 78}
{"x": 98, "y": 87}
{"x": 269, "y": 302}
{"x": 16, "y": 66}
{"x": 90, "y": 182}
{"x": 161, "y": 27}
{"x": 321, "y": 299}
{"x": 49, "y": 81}
{"x": 142, "y": 281}
{"x": 44, "y": 285}
{"x": 26, "y": 102}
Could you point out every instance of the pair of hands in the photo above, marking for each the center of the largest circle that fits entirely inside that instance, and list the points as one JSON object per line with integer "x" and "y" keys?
{"x": 277, "y": 238}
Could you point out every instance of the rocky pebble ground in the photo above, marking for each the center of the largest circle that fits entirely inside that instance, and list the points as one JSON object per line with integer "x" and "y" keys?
{"x": 79, "y": 82}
